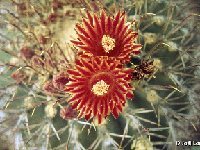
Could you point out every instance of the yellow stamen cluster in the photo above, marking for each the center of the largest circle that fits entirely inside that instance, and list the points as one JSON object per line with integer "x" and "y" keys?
{"x": 108, "y": 43}
{"x": 100, "y": 88}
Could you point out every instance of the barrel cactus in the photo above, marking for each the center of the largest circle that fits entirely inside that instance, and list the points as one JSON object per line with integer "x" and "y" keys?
{"x": 99, "y": 74}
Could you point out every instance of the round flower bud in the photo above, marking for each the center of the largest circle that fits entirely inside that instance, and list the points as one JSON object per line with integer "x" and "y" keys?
{"x": 158, "y": 20}
{"x": 28, "y": 102}
{"x": 48, "y": 87}
{"x": 150, "y": 38}
{"x": 60, "y": 80}
{"x": 152, "y": 96}
{"x": 68, "y": 113}
{"x": 26, "y": 52}
{"x": 142, "y": 143}
{"x": 50, "y": 110}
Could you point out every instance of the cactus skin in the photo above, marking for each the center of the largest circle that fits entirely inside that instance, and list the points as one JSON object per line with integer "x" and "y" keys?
{"x": 34, "y": 51}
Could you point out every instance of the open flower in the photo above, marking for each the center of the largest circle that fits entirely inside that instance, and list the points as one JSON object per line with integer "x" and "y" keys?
{"x": 106, "y": 36}
{"x": 99, "y": 87}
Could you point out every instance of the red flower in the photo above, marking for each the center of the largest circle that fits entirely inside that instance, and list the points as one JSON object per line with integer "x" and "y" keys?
{"x": 106, "y": 36}
{"x": 99, "y": 87}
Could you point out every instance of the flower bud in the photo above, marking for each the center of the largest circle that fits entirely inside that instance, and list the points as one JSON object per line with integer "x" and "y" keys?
{"x": 26, "y": 52}
{"x": 68, "y": 113}
{"x": 59, "y": 80}
{"x": 49, "y": 88}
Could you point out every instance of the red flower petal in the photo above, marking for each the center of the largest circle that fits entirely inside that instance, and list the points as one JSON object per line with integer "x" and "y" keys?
{"x": 82, "y": 30}
{"x": 90, "y": 18}
{"x": 89, "y": 29}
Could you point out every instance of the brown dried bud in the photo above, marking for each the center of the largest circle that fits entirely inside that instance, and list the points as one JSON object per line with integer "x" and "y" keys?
{"x": 137, "y": 75}
{"x": 27, "y": 52}
{"x": 49, "y": 88}
{"x": 68, "y": 113}
{"x": 143, "y": 70}
{"x": 60, "y": 80}
{"x": 147, "y": 67}
{"x": 37, "y": 61}
{"x": 18, "y": 76}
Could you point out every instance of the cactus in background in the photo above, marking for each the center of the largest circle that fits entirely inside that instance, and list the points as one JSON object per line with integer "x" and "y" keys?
{"x": 39, "y": 44}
